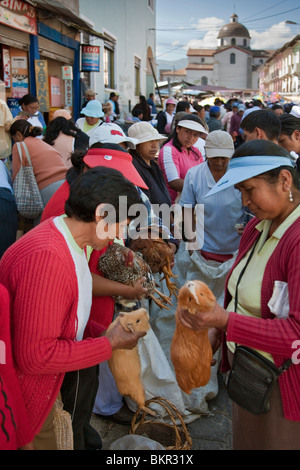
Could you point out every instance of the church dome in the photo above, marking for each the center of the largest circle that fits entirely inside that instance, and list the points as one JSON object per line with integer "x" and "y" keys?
{"x": 234, "y": 29}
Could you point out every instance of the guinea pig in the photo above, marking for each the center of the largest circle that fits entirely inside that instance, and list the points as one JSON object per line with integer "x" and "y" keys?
{"x": 191, "y": 352}
{"x": 125, "y": 364}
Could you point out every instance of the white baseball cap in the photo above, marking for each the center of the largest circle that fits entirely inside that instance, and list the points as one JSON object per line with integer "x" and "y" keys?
{"x": 110, "y": 133}
{"x": 193, "y": 125}
{"x": 219, "y": 144}
{"x": 144, "y": 132}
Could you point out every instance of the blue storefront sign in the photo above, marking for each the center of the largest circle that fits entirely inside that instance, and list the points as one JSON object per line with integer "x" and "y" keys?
{"x": 90, "y": 58}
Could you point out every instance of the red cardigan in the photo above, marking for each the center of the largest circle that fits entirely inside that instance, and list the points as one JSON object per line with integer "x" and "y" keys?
{"x": 15, "y": 430}
{"x": 269, "y": 333}
{"x": 39, "y": 274}
{"x": 102, "y": 309}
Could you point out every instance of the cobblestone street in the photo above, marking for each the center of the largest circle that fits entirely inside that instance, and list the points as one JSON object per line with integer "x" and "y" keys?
{"x": 207, "y": 433}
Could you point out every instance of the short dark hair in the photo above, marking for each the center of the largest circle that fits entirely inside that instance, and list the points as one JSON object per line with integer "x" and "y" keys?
{"x": 28, "y": 99}
{"x": 136, "y": 112}
{"x": 267, "y": 148}
{"x": 100, "y": 185}
{"x": 182, "y": 105}
{"x": 289, "y": 124}
{"x": 264, "y": 119}
{"x": 277, "y": 106}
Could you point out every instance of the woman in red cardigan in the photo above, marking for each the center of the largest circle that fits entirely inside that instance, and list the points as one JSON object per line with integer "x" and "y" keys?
{"x": 49, "y": 283}
{"x": 268, "y": 181}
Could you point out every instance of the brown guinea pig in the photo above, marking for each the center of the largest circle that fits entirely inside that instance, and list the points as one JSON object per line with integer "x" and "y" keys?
{"x": 125, "y": 364}
{"x": 191, "y": 352}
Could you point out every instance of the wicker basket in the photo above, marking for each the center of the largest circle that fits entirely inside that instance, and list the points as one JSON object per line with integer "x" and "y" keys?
{"x": 62, "y": 427}
{"x": 171, "y": 436}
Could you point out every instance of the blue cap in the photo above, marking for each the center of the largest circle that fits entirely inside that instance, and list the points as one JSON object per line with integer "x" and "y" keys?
{"x": 214, "y": 109}
{"x": 243, "y": 168}
{"x": 93, "y": 109}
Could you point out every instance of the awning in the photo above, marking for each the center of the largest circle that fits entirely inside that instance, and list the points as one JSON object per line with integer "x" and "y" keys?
{"x": 72, "y": 19}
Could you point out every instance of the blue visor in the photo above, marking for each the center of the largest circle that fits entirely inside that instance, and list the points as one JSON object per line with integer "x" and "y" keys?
{"x": 243, "y": 168}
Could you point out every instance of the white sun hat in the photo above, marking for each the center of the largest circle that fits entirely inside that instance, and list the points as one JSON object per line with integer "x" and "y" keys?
{"x": 144, "y": 132}
{"x": 110, "y": 133}
{"x": 193, "y": 125}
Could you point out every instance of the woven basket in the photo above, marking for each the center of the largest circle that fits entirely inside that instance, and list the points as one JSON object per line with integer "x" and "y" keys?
{"x": 171, "y": 436}
{"x": 62, "y": 427}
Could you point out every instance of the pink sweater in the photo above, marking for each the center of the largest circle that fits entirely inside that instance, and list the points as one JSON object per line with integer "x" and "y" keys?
{"x": 175, "y": 164}
{"x": 39, "y": 274}
{"x": 47, "y": 163}
{"x": 268, "y": 333}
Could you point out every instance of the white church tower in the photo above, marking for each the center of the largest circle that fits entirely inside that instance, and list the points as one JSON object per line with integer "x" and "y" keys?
{"x": 234, "y": 34}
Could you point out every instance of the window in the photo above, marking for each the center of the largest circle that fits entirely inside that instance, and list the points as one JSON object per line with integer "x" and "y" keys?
{"x": 202, "y": 60}
{"x": 204, "y": 81}
{"x": 233, "y": 41}
{"x": 137, "y": 76}
{"x": 245, "y": 42}
{"x": 109, "y": 64}
{"x": 232, "y": 58}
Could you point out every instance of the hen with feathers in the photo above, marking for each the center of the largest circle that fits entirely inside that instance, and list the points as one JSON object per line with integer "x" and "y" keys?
{"x": 157, "y": 253}
{"x": 120, "y": 263}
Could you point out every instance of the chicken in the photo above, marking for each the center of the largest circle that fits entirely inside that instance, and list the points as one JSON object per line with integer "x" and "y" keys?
{"x": 191, "y": 352}
{"x": 157, "y": 253}
{"x": 121, "y": 264}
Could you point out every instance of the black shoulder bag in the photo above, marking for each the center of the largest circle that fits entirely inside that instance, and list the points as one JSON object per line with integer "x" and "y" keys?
{"x": 252, "y": 376}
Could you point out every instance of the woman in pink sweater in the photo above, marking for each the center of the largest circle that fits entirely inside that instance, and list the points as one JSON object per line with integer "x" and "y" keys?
{"x": 179, "y": 154}
{"x": 48, "y": 279}
{"x": 255, "y": 315}
{"x": 48, "y": 166}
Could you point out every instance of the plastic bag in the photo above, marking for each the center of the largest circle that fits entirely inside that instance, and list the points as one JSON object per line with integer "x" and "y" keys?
{"x": 135, "y": 442}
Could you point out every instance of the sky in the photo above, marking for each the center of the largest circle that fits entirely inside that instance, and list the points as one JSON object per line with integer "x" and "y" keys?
{"x": 181, "y": 24}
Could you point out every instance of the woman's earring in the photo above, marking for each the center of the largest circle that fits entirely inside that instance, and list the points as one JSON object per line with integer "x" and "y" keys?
{"x": 291, "y": 196}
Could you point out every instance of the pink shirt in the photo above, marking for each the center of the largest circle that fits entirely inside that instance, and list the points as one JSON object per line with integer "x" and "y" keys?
{"x": 175, "y": 164}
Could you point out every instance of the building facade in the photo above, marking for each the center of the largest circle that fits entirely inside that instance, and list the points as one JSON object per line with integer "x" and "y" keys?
{"x": 281, "y": 72}
{"x": 127, "y": 49}
{"x": 56, "y": 49}
{"x": 232, "y": 65}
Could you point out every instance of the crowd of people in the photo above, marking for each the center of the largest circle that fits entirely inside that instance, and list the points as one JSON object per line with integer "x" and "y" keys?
{"x": 230, "y": 172}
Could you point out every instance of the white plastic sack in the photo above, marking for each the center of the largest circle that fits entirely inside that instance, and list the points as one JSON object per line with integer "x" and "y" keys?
{"x": 135, "y": 442}
{"x": 158, "y": 379}
{"x": 163, "y": 321}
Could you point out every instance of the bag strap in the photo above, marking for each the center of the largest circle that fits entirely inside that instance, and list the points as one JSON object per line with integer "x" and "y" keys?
{"x": 288, "y": 362}
{"x": 243, "y": 271}
{"x": 26, "y": 152}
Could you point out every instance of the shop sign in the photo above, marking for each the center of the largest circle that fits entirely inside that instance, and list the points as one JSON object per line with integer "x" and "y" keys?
{"x": 6, "y": 67}
{"x": 55, "y": 93}
{"x": 42, "y": 89}
{"x": 67, "y": 72}
{"x": 90, "y": 58}
{"x": 13, "y": 103}
{"x": 19, "y": 74}
{"x": 19, "y": 15}
{"x": 68, "y": 93}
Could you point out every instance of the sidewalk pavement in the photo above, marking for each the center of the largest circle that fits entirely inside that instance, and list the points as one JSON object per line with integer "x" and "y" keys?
{"x": 207, "y": 433}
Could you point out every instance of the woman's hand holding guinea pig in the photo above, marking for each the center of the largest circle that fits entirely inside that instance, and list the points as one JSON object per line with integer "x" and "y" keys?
{"x": 217, "y": 317}
{"x": 122, "y": 339}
